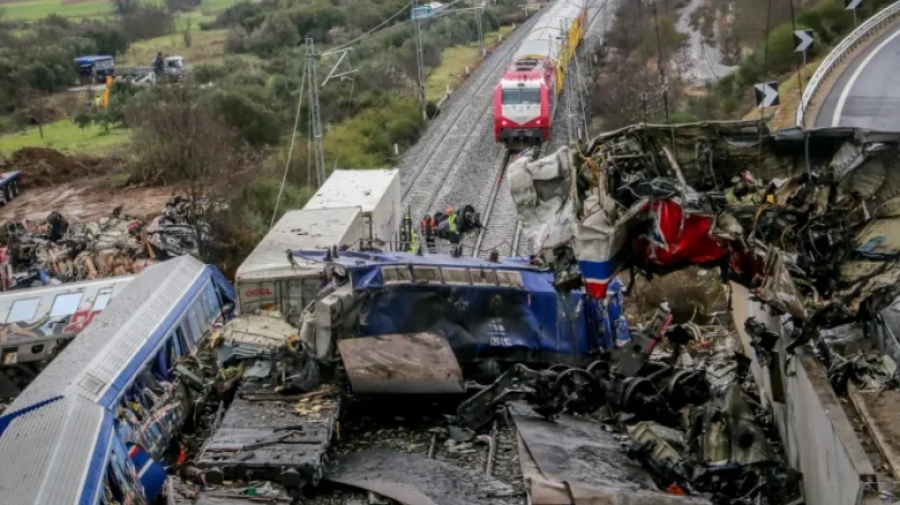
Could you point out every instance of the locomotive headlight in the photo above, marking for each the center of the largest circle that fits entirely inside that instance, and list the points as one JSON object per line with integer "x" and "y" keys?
{"x": 538, "y": 122}
{"x": 503, "y": 123}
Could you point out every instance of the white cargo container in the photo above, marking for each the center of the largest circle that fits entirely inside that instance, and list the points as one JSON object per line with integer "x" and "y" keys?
{"x": 267, "y": 280}
{"x": 376, "y": 191}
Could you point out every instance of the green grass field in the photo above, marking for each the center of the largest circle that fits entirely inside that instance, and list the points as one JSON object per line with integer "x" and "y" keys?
{"x": 207, "y": 46}
{"x": 36, "y": 9}
{"x": 454, "y": 61}
{"x": 66, "y": 137}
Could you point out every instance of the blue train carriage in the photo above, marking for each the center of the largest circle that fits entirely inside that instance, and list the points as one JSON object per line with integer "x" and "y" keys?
{"x": 9, "y": 185}
{"x": 503, "y": 311}
{"x": 90, "y": 427}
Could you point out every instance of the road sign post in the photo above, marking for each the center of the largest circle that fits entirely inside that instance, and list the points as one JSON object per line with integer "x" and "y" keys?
{"x": 853, "y": 5}
{"x": 803, "y": 42}
{"x": 766, "y": 94}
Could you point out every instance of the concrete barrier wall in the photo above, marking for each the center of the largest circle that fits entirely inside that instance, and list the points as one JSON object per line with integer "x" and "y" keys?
{"x": 818, "y": 438}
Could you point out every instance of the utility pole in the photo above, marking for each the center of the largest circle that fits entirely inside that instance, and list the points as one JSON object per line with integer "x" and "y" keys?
{"x": 794, "y": 29}
{"x": 661, "y": 63}
{"x": 420, "y": 60}
{"x": 479, "y": 11}
{"x": 314, "y": 113}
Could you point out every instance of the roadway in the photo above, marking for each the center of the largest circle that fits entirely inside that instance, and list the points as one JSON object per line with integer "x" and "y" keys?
{"x": 867, "y": 92}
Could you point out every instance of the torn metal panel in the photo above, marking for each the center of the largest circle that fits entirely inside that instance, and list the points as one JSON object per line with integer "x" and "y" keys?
{"x": 414, "y": 479}
{"x": 579, "y": 463}
{"x": 540, "y": 191}
{"x": 778, "y": 289}
{"x": 257, "y": 334}
{"x": 410, "y": 363}
{"x": 571, "y": 450}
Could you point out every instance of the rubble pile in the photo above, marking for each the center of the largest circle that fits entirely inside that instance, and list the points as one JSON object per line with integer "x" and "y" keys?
{"x": 688, "y": 414}
{"x": 60, "y": 250}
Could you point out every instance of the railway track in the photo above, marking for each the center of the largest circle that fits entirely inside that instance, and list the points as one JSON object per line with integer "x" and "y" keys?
{"x": 460, "y": 133}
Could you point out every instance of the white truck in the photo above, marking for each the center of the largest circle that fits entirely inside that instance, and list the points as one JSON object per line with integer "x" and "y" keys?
{"x": 353, "y": 208}
{"x": 376, "y": 191}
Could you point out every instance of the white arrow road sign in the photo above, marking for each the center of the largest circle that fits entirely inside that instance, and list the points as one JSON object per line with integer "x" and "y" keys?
{"x": 803, "y": 40}
{"x": 852, "y": 5}
{"x": 766, "y": 94}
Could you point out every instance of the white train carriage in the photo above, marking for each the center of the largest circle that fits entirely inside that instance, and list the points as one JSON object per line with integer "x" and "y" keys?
{"x": 37, "y": 323}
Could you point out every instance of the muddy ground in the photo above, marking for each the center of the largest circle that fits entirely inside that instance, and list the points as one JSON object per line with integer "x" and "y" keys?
{"x": 84, "y": 188}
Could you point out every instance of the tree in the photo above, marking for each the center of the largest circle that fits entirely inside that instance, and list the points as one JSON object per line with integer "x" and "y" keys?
{"x": 179, "y": 137}
{"x": 36, "y": 108}
{"x": 125, "y": 6}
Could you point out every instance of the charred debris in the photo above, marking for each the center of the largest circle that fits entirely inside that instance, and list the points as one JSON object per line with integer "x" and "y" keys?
{"x": 60, "y": 249}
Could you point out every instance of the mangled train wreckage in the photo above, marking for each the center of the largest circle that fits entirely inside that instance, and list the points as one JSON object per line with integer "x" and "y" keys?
{"x": 815, "y": 240}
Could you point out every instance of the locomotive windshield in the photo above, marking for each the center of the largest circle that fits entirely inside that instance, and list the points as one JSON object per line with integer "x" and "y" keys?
{"x": 521, "y": 96}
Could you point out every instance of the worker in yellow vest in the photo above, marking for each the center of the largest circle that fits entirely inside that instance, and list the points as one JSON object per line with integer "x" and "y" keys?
{"x": 413, "y": 241}
{"x": 452, "y": 228}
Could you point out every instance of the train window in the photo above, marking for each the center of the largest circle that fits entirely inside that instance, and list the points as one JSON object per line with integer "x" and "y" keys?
{"x": 184, "y": 332}
{"x": 521, "y": 96}
{"x": 213, "y": 300}
{"x": 102, "y": 300}
{"x": 65, "y": 304}
{"x": 512, "y": 97}
{"x": 23, "y": 310}
{"x": 531, "y": 96}
{"x": 196, "y": 328}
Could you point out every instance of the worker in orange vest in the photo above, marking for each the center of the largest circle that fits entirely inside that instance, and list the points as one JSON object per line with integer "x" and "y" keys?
{"x": 427, "y": 226}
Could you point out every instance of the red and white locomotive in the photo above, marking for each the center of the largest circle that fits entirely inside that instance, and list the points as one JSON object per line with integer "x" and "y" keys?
{"x": 525, "y": 98}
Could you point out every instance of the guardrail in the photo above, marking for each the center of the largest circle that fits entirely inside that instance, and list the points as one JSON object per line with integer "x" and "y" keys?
{"x": 862, "y": 33}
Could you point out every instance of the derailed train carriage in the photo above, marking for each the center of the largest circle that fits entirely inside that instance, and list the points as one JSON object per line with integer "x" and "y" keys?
{"x": 526, "y": 96}
{"x": 90, "y": 427}
{"x": 383, "y": 308}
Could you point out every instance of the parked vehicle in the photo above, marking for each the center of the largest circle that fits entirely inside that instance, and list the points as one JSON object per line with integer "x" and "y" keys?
{"x": 95, "y": 69}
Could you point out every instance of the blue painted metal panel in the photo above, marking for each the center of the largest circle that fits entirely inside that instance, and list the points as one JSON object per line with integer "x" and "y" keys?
{"x": 531, "y": 321}
{"x": 153, "y": 343}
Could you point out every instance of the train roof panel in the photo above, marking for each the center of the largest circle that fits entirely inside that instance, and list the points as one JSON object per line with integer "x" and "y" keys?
{"x": 95, "y": 363}
{"x": 345, "y": 188}
{"x": 299, "y": 229}
{"x": 544, "y": 37}
{"x": 47, "y": 448}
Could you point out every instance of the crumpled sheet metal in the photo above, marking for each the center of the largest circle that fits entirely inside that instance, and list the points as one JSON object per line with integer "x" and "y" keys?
{"x": 574, "y": 462}
{"x": 409, "y": 363}
{"x": 257, "y": 334}
{"x": 778, "y": 289}
{"x": 540, "y": 192}
{"x": 413, "y": 479}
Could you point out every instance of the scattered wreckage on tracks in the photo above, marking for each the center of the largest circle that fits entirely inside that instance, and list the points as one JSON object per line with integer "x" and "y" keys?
{"x": 537, "y": 353}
